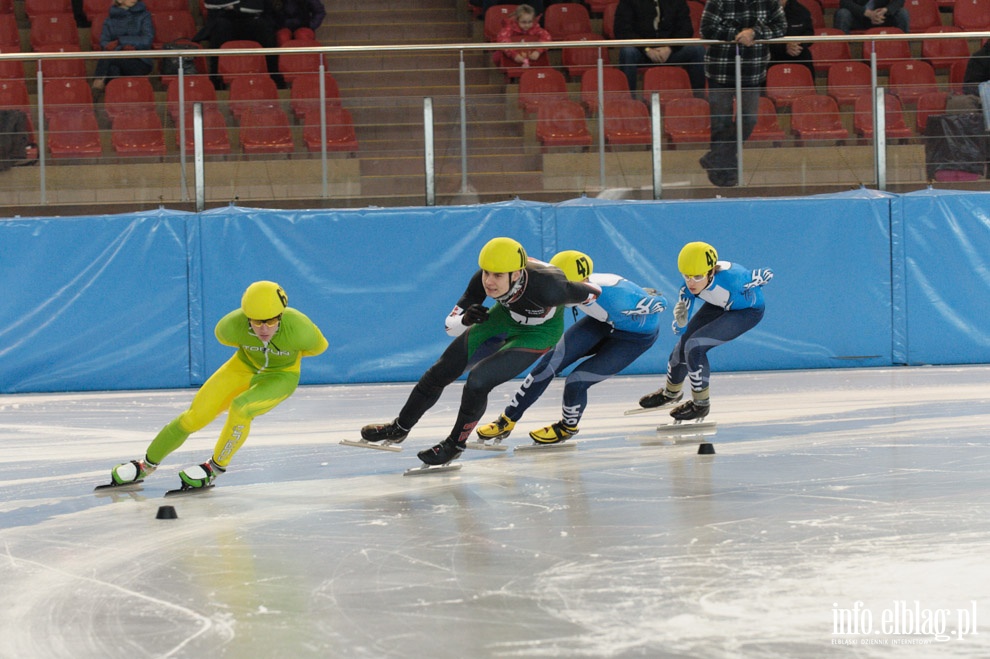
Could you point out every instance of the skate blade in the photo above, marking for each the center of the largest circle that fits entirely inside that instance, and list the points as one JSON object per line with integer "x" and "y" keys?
{"x": 432, "y": 469}
{"x": 667, "y": 440}
{"x": 184, "y": 491}
{"x": 690, "y": 428}
{"x": 536, "y": 446}
{"x": 363, "y": 443}
{"x": 125, "y": 487}
{"x": 644, "y": 410}
{"x": 497, "y": 445}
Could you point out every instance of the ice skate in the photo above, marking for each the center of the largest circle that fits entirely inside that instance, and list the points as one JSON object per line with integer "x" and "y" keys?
{"x": 554, "y": 433}
{"x": 490, "y": 435}
{"x": 382, "y": 436}
{"x": 442, "y": 453}
{"x": 552, "y": 437}
{"x": 657, "y": 400}
{"x": 497, "y": 429}
{"x": 200, "y": 476}
{"x": 129, "y": 474}
{"x": 690, "y": 411}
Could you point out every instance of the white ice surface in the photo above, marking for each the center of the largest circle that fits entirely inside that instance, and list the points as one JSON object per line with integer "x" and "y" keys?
{"x": 827, "y": 488}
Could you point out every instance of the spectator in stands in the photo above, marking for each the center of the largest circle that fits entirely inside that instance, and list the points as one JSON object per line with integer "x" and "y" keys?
{"x": 521, "y": 27}
{"x": 977, "y": 71}
{"x": 739, "y": 24}
{"x": 229, "y": 20}
{"x": 799, "y": 24}
{"x": 294, "y": 14}
{"x": 128, "y": 26}
{"x": 658, "y": 19}
{"x": 864, "y": 14}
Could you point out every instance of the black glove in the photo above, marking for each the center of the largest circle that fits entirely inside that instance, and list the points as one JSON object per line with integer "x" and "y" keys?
{"x": 476, "y": 313}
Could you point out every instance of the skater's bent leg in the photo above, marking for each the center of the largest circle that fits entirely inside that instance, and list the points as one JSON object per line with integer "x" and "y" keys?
{"x": 710, "y": 332}
{"x": 608, "y": 358}
{"x": 427, "y": 391}
{"x": 266, "y": 392}
{"x": 485, "y": 376}
{"x": 212, "y": 398}
{"x": 575, "y": 344}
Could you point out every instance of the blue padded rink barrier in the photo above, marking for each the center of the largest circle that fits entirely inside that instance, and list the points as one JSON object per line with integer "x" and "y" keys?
{"x": 843, "y": 512}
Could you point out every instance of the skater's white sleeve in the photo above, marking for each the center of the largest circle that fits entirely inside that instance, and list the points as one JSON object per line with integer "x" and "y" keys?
{"x": 454, "y": 324}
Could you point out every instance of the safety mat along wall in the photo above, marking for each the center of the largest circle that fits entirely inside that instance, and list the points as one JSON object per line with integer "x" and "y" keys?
{"x": 130, "y": 301}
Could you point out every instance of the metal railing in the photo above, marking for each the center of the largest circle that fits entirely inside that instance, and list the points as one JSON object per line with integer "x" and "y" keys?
{"x": 457, "y": 102}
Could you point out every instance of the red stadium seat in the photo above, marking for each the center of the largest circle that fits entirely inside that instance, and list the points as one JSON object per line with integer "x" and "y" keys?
{"x": 562, "y": 124}
{"x": 816, "y": 117}
{"x": 14, "y": 95}
{"x": 252, "y": 92}
{"x": 130, "y": 94}
{"x": 696, "y": 9}
{"x": 786, "y": 82}
{"x": 608, "y": 19}
{"x": 929, "y": 104}
{"x": 816, "y": 11}
{"x": 304, "y": 97}
{"x": 910, "y": 80}
{"x": 138, "y": 133}
{"x": 942, "y": 53}
{"x": 888, "y": 52}
{"x": 231, "y": 67}
{"x": 669, "y": 82}
{"x": 165, "y": 6}
{"x": 10, "y": 36}
{"x": 767, "y": 126}
{"x": 538, "y": 86}
{"x": 687, "y": 120}
{"x": 71, "y": 94}
{"x": 74, "y": 134}
{"x": 292, "y": 65}
{"x": 265, "y": 129}
{"x": 825, "y": 54}
{"x": 577, "y": 60}
{"x": 896, "y": 127}
{"x": 198, "y": 89}
{"x": 36, "y": 8}
{"x": 563, "y": 20}
{"x": 340, "y": 131}
{"x": 957, "y": 74}
{"x": 63, "y": 68}
{"x": 971, "y": 15}
{"x": 847, "y": 82}
{"x": 615, "y": 86}
{"x": 216, "y": 141}
{"x": 627, "y": 121}
{"x": 172, "y": 26}
{"x": 53, "y": 30}
{"x": 923, "y": 15}
{"x": 93, "y": 8}
{"x": 494, "y": 18}
{"x": 9, "y": 69}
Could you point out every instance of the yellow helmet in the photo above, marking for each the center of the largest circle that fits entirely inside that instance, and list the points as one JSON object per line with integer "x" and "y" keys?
{"x": 696, "y": 259}
{"x": 502, "y": 255}
{"x": 263, "y": 300}
{"x": 578, "y": 266}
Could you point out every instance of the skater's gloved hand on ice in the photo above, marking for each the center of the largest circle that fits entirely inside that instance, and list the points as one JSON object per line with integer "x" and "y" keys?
{"x": 476, "y": 313}
{"x": 760, "y": 278}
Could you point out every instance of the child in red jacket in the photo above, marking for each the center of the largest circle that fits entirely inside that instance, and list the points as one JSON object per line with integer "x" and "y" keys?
{"x": 521, "y": 27}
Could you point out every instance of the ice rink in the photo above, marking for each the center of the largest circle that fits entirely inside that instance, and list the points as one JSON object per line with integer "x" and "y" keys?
{"x": 844, "y": 514}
